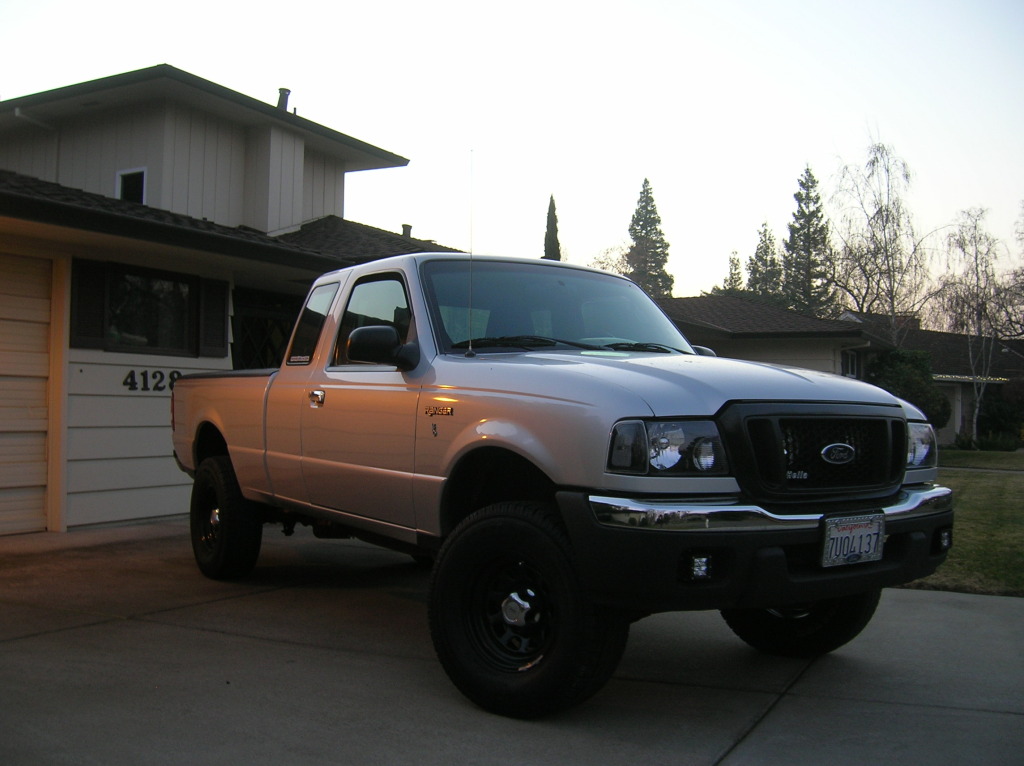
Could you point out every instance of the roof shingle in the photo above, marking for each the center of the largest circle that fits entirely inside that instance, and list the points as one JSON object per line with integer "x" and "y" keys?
{"x": 356, "y": 242}
{"x": 742, "y": 317}
{"x": 321, "y": 245}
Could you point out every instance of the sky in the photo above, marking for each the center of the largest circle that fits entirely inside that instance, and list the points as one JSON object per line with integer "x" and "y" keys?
{"x": 499, "y": 106}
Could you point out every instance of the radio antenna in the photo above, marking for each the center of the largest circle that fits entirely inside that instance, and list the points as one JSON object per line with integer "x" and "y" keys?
{"x": 469, "y": 349}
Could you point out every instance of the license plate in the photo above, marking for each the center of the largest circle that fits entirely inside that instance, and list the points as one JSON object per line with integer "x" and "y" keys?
{"x": 853, "y": 540}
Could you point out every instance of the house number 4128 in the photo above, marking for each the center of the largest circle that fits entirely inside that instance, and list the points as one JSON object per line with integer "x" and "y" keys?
{"x": 150, "y": 380}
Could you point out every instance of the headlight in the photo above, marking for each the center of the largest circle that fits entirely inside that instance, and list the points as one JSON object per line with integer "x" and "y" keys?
{"x": 921, "y": 450}
{"x": 667, "y": 448}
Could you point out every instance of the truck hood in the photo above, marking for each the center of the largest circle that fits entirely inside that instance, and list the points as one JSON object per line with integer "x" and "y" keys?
{"x": 679, "y": 384}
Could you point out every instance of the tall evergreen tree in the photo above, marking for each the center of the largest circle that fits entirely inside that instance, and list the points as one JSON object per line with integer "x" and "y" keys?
{"x": 764, "y": 269}
{"x": 552, "y": 250}
{"x": 807, "y": 253}
{"x": 647, "y": 256}
{"x": 733, "y": 284}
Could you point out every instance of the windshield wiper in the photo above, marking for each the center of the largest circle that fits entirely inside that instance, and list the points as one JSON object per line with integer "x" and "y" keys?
{"x": 656, "y": 347}
{"x": 522, "y": 341}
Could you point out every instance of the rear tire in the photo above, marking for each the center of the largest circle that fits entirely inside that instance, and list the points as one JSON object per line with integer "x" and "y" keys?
{"x": 225, "y": 528}
{"x": 807, "y": 630}
{"x": 510, "y": 623}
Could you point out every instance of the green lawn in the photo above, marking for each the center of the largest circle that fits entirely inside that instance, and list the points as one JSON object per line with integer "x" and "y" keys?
{"x": 988, "y": 535}
{"x": 953, "y": 458}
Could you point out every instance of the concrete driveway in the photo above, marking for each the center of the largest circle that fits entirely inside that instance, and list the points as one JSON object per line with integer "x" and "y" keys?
{"x": 115, "y": 650}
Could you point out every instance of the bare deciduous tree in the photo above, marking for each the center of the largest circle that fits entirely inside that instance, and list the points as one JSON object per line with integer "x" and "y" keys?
{"x": 969, "y": 296}
{"x": 881, "y": 264}
{"x": 1011, "y": 295}
{"x": 613, "y": 259}
{"x": 1008, "y": 304}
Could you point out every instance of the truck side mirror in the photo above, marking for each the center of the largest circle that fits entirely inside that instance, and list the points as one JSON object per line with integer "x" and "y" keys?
{"x": 380, "y": 344}
{"x": 704, "y": 351}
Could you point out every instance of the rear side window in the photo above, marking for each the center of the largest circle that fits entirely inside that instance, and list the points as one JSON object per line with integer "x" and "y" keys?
{"x": 311, "y": 323}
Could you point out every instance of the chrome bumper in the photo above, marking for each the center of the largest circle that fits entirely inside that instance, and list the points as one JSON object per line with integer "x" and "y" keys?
{"x": 718, "y": 515}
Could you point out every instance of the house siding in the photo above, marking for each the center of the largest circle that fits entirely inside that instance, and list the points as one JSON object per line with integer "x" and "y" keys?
{"x": 818, "y": 354}
{"x": 196, "y": 164}
{"x": 33, "y": 153}
{"x": 204, "y": 167}
{"x": 94, "y": 149}
{"x": 955, "y": 394}
{"x": 120, "y": 464}
{"x": 274, "y": 175}
{"x": 25, "y": 310}
{"x": 323, "y": 187}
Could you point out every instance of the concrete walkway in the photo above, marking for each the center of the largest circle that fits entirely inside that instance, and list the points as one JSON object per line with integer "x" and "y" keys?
{"x": 115, "y": 650}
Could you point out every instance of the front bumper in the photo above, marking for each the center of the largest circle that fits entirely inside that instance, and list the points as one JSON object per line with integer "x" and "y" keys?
{"x": 638, "y": 553}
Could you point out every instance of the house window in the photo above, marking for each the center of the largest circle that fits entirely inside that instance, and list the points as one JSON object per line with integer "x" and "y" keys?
{"x": 131, "y": 186}
{"x": 131, "y": 310}
{"x": 261, "y": 324}
{"x": 851, "y": 364}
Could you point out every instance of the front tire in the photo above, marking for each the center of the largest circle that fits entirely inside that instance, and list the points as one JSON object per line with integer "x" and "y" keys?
{"x": 510, "y": 623}
{"x": 807, "y": 630}
{"x": 226, "y": 530}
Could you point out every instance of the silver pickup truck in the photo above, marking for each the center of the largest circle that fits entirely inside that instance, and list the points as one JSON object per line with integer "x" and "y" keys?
{"x": 569, "y": 463}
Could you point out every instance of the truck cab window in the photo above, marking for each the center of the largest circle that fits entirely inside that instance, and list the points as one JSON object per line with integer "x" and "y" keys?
{"x": 377, "y": 300}
{"x": 311, "y": 322}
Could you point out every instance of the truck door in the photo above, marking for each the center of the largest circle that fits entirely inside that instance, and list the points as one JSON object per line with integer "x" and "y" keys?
{"x": 288, "y": 397}
{"x": 358, "y": 430}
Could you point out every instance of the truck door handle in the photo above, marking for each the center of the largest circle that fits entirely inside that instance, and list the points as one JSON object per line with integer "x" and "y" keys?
{"x": 316, "y": 398}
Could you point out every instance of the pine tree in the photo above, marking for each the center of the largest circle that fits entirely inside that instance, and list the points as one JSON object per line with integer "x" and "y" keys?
{"x": 764, "y": 269}
{"x": 552, "y": 250}
{"x": 807, "y": 253}
{"x": 733, "y": 284}
{"x": 648, "y": 254}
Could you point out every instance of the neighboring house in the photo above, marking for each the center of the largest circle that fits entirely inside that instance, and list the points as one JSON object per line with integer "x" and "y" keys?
{"x": 951, "y": 366}
{"x": 151, "y": 224}
{"x": 745, "y": 328}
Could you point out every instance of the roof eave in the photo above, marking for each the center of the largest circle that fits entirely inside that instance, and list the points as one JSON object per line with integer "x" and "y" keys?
{"x": 116, "y": 224}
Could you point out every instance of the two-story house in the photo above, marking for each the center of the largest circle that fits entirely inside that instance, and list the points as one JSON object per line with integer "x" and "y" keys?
{"x": 152, "y": 224}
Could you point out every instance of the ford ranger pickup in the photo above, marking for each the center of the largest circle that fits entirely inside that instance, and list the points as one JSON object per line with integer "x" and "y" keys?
{"x": 568, "y": 463}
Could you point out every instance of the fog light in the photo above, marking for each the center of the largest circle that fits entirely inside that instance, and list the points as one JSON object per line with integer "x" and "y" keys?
{"x": 700, "y": 567}
{"x": 945, "y": 539}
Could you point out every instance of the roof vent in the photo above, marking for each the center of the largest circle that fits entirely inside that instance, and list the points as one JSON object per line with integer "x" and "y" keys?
{"x": 282, "y": 98}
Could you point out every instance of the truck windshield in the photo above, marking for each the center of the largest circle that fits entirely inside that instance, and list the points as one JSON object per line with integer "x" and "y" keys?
{"x": 503, "y": 305}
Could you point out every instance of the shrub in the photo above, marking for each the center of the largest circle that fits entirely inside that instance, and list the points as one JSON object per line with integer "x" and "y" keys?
{"x": 908, "y": 374}
{"x": 1002, "y": 409}
{"x": 963, "y": 441}
{"x": 1000, "y": 442}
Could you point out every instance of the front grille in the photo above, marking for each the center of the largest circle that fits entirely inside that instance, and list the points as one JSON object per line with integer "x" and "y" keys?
{"x": 793, "y": 456}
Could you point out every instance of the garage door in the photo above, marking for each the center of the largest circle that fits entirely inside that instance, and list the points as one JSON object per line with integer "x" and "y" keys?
{"x": 24, "y": 367}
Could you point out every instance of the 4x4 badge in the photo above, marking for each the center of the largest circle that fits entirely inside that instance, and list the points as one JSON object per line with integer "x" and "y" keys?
{"x": 838, "y": 454}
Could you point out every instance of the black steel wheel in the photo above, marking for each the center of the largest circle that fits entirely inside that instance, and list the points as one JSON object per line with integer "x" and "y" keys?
{"x": 804, "y": 630}
{"x": 225, "y": 528}
{"x": 509, "y": 621}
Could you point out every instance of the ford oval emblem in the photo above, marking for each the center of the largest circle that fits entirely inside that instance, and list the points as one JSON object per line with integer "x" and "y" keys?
{"x": 838, "y": 454}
